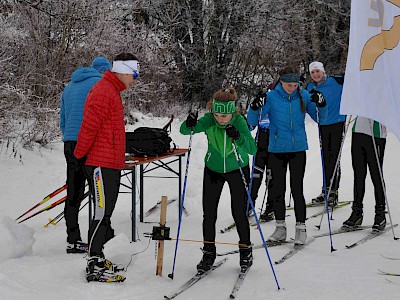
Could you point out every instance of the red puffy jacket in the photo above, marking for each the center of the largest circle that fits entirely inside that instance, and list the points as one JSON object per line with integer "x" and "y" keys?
{"x": 102, "y": 134}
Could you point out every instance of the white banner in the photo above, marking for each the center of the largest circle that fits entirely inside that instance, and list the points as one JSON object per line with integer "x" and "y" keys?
{"x": 372, "y": 81}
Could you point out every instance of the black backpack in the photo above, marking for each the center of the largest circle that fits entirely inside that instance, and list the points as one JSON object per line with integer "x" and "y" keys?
{"x": 147, "y": 141}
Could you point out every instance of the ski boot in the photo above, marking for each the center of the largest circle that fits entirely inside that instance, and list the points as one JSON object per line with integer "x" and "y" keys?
{"x": 268, "y": 214}
{"x": 320, "y": 199}
{"x": 246, "y": 257}
{"x": 301, "y": 234}
{"x": 380, "y": 219}
{"x": 333, "y": 198}
{"x": 209, "y": 255}
{"x": 77, "y": 247}
{"x": 279, "y": 233}
{"x": 96, "y": 270}
{"x": 355, "y": 218}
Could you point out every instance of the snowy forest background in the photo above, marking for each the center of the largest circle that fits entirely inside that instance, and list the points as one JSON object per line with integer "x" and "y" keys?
{"x": 187, "y": 50}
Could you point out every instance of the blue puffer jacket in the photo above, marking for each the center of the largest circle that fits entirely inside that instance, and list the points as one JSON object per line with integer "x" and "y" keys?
{"x": 287, "y": 128}
{"x": 332, "y": 92}
{"x": 73, "y": 100}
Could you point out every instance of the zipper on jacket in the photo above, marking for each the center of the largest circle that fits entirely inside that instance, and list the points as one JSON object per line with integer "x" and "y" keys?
{"x": 225, "y": 152}
{"x": 291, "y": 120}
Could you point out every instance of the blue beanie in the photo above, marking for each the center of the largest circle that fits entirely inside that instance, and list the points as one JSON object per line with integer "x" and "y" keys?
{"x": 101, "y": 64}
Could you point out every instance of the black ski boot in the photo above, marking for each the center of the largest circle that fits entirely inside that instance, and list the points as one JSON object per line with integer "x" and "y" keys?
{"x": 333, "y": 198}
{"x": 246, "y": 257}
{"x": 320, "y": 199}
{"x": 380, "y": 219}
{"x": 355, "y": 219}
{"x": 209, "y": 255}
{"x": 268, "y": 214}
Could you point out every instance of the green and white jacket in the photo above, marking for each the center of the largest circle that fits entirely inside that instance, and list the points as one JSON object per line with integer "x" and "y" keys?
{"x": 363, "y": 125}
{"x": 220, "y": 156}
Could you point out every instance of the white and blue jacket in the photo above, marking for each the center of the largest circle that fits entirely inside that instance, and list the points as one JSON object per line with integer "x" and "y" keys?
{"x": 287, "y": 127}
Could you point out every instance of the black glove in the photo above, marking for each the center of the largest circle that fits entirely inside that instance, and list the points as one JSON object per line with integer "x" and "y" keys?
{"x": 232, "y": 132}
{"x": 258, "y": 101}
{"x": 191, "y": 119}
{"x": 318, "y": 98}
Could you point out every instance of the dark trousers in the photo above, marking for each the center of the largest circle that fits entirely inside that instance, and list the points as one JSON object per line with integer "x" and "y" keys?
{"x": 260, "y": 164}
{"x": 332, "y": 136}
{"x": 363, "y": 155}
{"x": 100, "y": 231}
{"x": 75, "y": 191}
{"x": 213, "y": 183}
{"x": 278, "y": 163}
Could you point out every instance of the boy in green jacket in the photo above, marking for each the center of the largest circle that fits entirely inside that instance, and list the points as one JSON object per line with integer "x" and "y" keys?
{"x": 224, "y": 125}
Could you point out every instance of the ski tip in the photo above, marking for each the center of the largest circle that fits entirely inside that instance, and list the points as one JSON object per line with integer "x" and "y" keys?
{"x": 166, "y": 297}
{"x": 231, "y": 296}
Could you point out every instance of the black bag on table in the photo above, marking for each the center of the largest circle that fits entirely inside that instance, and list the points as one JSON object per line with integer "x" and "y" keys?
{"x": 147, "y": 141}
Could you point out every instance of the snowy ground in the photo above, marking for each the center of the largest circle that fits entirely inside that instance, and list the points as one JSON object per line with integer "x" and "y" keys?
{"x": 34, "y": 264}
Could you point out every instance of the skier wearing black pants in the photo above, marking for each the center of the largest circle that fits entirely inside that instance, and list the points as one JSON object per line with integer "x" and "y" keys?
{"x": 223, "y": 126}
{"x": 286, "y": 107}
{"x": 279, "y": 162}
{"x": 102, "y": 140}
{"x": 260, "y": 164}
{"x": 331, "y": 129}
{"x": 213, "y": 182}
{"x": 71, "y": 114}
{"x": 100, "y": 231}
{"x": 331, "y": 136}
{"x": 363, "y": 156}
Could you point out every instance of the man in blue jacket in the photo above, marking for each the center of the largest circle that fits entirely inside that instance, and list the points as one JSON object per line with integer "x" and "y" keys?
{"x": 72, "y": 103}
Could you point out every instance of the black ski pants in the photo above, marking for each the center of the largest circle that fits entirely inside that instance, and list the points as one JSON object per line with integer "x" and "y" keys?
{"x": 213, "y": 183}
{"x": 100, "y": 231}
{"x": 260, "y": 164}
{"x": 75, "y": 191}
{"x": 331, "y": 137}
{"x": 278, "y": 163}
{"x": 363, "y": 156}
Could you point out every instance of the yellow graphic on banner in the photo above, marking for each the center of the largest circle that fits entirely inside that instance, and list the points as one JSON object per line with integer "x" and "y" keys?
{"x": 386, "y": 40}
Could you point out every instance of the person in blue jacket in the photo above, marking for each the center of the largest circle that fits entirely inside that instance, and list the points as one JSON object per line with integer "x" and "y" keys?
{"x": 286, "y": 106}
{"x": 71, "y": 114}
{"x": 331, "y": 129}
{"x": 261, "y": 161}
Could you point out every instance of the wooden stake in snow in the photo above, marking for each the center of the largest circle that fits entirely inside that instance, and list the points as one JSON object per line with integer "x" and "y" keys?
{"x": 160, "y": 252}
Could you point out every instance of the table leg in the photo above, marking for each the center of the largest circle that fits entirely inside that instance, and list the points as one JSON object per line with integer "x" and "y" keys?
{"x": 141, "y": 195}
{"x": 134, "y": 204}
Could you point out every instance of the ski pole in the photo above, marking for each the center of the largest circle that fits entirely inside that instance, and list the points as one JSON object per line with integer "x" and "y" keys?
{"x": 254, "y": 157}
{"x": 52, "y": 205}
{"x": 290, "y": 199}
{"x": 324, "y": 182}
{"x": 269, "y": 177}
{"x": 181, "y": 204}
{"x": 335, "y": 171}
{"x": 382, "y": 181}
{"x": 45, "y": 199}
{"x": 254, "y": 212}
{"x": 61, "y": 216}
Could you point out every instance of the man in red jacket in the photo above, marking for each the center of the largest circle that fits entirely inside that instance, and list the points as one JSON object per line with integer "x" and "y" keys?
{"x": 101, "y": 142}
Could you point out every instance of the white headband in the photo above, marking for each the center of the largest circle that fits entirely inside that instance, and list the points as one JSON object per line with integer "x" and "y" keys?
{"x": 316, "y": 65}
{"x": 125, "y": 67}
